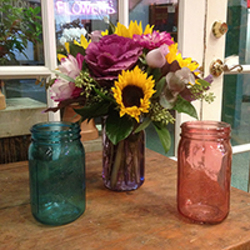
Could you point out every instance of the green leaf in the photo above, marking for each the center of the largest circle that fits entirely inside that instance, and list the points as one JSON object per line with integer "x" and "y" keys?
{"x": 111, "y": 28}
{"x": 75, "y": 49}
{"x": 164, "y": 136}
{"x": 36, "y": 10}
{"x": 63, "y": 76}
{"x": 183, "y": 106}
{"x": 203, "y": 83}
{"x": 159, "y": 87}
{"x": 156, "y": 74}
{"x": 118, "y": 128}
{"x": 95, "y": 110}
{"x": 143, "y": 126}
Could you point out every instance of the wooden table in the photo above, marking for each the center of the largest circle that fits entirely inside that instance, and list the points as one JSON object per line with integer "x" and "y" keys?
{"x": 143, "y": 219}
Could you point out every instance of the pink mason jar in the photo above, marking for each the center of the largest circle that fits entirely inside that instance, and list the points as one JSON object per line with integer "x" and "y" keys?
{"x": 204, "y": 171}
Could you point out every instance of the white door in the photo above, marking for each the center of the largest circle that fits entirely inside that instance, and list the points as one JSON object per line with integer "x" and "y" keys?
{"x": 232, "y": 87}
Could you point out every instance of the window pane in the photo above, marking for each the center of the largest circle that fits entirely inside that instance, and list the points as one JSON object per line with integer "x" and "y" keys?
{"x": 236, "y": 107}
{"x": 236, "y": 90}
{"x": 25, "y": 104}
{"x": 164, "y": 15}
{"x": 20, "y": 88}
{"x": 238, "y": 35}
{"x": 21, "y": 33}
{"x": 240, "y": 171}
{"x": 76, "y": 18}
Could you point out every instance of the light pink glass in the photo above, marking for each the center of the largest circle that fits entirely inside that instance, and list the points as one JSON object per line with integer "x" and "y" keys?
{"x": 204, "y": 171}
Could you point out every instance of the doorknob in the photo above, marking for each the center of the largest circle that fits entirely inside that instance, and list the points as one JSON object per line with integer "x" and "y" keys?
{"x": 217, "y": 67}
{"x": 219, "y": 29}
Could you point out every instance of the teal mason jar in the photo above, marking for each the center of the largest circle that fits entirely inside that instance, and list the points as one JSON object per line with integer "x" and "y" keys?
{"x": 57, "y": 173}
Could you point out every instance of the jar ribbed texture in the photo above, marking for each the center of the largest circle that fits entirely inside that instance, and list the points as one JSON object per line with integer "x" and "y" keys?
{"x": 209, "y": 130}
{"x": 57, "y": 173}
{"x": 204, "y": 171}
{"x": 55, "y": 132}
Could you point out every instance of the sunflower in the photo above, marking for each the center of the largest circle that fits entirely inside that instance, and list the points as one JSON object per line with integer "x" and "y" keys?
{"x": 132, "y": 92}
{"x": 133, "y": 29}
{"x": 174, "y": 55}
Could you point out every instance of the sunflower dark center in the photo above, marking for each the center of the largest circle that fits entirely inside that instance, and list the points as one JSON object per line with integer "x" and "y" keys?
{"x": 131, "y": 96}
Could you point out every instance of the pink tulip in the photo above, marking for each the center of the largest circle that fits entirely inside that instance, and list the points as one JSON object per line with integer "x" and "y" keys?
{"x": 62, "y": 90}
{"x": 71, "y": 66}
{"x": 156, "y": 57}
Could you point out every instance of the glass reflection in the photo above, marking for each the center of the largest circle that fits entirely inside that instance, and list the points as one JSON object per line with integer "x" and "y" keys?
{"x": 76, "y": 18}
{"x": 163, "y": 14}
{"x": 24, "y": 88}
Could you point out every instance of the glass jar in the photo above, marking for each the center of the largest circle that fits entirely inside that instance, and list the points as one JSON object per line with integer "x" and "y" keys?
{"x": 124, "y": 163}
{"x": 57, "y": 173}
{"x": 204, "y": 171}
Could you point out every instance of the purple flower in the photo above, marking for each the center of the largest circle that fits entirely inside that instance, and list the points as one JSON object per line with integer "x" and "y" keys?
{"x": 154, "y": 40}
{"x": 112, "y": 54}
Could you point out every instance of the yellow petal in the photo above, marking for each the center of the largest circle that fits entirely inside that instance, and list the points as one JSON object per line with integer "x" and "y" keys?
{"x": 60, "y": 56}
{"x": 84, "y": 42}
{"x": 67, "y": 47}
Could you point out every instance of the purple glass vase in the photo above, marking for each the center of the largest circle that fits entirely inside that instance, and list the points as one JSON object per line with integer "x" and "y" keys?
{"x": 123, "y": 164}
{"x": 204, "y": 171}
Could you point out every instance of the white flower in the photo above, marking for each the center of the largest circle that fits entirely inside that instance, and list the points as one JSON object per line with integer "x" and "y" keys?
{"x": 63, "y": 40}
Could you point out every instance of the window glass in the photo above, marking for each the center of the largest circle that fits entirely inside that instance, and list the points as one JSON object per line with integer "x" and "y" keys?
{"x": 21, "y": 33}
{"x": 236, "y": 90}
{"x": 163, "y": 14}
{"x": 240, "y": 171}
{"x": 20, "y": 88}
{"x": 76, "y": 18}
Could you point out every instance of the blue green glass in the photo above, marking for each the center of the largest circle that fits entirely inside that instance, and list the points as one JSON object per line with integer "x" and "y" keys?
{"x": 57, "y": 173}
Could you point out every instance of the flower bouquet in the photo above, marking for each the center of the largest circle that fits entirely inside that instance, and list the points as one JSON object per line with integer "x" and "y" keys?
{"x": 132, "y": 78}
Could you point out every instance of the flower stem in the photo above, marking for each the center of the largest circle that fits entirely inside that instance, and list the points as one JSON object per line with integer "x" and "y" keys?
{"x": 117, "y": 163}
{"x": 135, "y": 155}
{"x": 111, "y": 146}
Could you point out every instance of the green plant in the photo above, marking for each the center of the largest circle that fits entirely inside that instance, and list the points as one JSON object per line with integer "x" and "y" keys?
{"x": 17, "y": 27}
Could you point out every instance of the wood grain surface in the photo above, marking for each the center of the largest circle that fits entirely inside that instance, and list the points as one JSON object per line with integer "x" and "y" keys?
{"x": 143, "y": 219}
